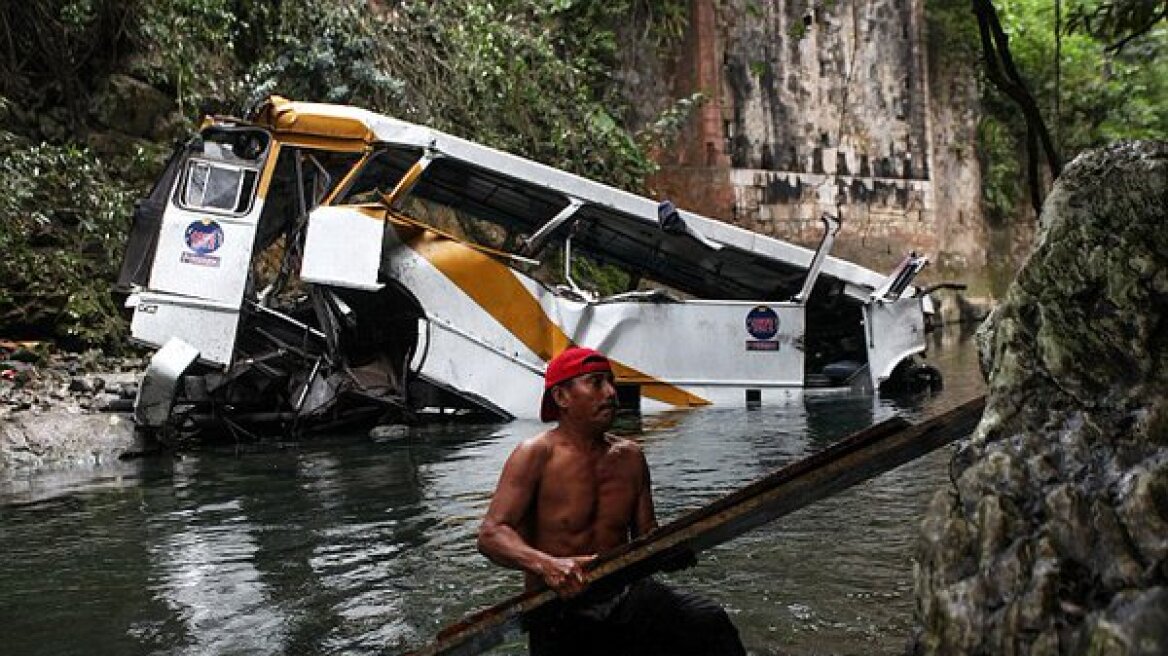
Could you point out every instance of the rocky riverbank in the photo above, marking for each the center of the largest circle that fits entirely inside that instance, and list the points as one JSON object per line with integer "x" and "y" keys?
{"x": 1054, "y": 537}
{"x": 63, "y": 410}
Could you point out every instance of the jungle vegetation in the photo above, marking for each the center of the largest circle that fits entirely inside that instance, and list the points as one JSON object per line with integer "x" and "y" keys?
{"x": 1072, "y": 75}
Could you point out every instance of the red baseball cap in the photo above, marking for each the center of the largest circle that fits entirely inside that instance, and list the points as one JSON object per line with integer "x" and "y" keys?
{"x": 575, "y": 361}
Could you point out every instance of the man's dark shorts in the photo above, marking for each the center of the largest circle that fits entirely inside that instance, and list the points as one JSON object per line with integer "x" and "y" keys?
{"x": 645, "y": 619}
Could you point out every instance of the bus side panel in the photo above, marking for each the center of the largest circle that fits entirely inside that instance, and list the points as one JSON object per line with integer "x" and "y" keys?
{"x": 208, "y": 328}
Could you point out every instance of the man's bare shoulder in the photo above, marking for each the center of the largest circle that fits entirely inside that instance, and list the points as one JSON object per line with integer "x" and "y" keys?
{"x": 527, "y": 460}
{"x": 538, "y": 447}
{"x": 623, "y": 447}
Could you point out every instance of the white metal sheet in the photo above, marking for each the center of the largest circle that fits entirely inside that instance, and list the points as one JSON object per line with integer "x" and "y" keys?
{"x": 698, "y": 344}
{"x": 204, "y": 255}
{"x": 894, "y": 332}
{"x": 160, "y": 382}
{"x": 701, "y": 345}
{"x": 208, "y": 327}
{"x": 342, "y": 247}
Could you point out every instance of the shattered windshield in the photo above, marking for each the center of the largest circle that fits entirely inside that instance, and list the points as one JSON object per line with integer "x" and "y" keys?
{"x": 222, "y": 170}
{"x": 213, "y": 187}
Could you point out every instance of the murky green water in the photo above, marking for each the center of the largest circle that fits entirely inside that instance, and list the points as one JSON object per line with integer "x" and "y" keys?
{"x": 357, "y": 546}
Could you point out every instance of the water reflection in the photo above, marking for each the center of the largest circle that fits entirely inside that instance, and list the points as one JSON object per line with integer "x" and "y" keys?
{"x": 208, "y": 579}
{"x": 362, "y": 546}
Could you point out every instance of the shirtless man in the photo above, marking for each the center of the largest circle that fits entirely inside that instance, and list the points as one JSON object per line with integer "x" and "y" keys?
{"x": 571, "y": 493}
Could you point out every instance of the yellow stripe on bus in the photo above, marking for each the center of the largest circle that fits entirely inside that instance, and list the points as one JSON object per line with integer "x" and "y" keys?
{"x": 495, "y": 289}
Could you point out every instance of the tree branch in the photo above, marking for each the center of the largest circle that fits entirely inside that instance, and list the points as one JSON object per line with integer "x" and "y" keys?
{"x": 1137, "y": 33}
{"x": 1032, "y": 177}
{"x": 1023, "y": 98}
{"x": 996, "y": 51}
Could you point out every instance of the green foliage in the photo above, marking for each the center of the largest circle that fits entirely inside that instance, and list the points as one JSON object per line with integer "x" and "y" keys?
{"x": 668, "y": 124}
{"x": 590, "y": 273}
{"x": 526, "y": 83}
{"x": 63, "y": 220}
{"x": 234, "y": 53}
{"x": 1101, "y": 96}
{"x": 322, "y": 51}
{"x": 196, "y": 65}
{"x": 1001, "y": 170}
{"x": 1115, "y": 21}
{"x": 528, "y": 76}
{"x": 1094, "y": 95}
{"x": 52, "y": 50}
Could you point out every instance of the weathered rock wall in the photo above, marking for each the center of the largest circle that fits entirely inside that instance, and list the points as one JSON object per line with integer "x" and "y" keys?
{"x": 1054, "y": 539}
{"x": 963, "y": 238}
{"x": 819, "y": 89}
{"x": 810, "y": 107}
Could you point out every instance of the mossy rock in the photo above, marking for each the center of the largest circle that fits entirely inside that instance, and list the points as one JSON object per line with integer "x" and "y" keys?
{"x": 1072, "y": 438}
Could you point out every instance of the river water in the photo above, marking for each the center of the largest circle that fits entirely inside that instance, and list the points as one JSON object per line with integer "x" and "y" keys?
{"x": 351, "y": 545}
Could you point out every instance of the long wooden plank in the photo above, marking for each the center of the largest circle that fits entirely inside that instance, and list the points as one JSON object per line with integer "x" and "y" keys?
{"x": 852, "y": 460}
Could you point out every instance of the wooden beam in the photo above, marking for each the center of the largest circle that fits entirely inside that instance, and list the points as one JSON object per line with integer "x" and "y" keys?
{"x": 852, "y": 460}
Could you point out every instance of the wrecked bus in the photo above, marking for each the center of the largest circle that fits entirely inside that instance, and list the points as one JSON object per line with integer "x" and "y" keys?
{"x": 321, "y": 264}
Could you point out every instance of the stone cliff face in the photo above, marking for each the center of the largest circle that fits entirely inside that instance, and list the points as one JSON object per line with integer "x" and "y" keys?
{"x": 1055, "y": 538}
{"x": 829, "y": 106}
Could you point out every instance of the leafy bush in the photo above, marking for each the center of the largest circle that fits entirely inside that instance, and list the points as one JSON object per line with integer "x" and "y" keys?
{"x": 529, "y": 76}
{"x": 187, "y": 47}
{"x": 1100, "y": 95}
{"x": 1089, "y": 93}
{"x": 51, "y": 51}
{"x": 1000, "y": 169}
{"x": 63, "y": 219}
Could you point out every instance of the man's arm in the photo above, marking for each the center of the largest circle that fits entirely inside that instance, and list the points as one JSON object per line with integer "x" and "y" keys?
{"x": 499, "y": 537}
{"x": 645, "y": 519}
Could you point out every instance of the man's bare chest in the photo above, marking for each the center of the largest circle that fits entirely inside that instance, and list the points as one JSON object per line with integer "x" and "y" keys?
{"x": 574, "y": 497}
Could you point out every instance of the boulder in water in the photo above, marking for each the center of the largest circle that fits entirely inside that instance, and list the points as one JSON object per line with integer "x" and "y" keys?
{"x": 1054, "y": 539}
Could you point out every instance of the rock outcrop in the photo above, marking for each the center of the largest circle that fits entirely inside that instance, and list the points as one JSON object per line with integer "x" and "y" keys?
{"x": 61, "y": 411}
{"x": 64, "y": 438}
{"x": 1054, "y": 538}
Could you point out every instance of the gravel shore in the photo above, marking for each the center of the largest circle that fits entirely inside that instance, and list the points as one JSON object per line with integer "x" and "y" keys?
{"x": 64, "y": 410}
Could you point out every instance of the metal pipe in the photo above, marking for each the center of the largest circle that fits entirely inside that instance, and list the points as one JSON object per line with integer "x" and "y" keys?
{"x": 534, "y": 243}
{"x": 307, "y": 385}
{"x": 830, "y": 229}
{"x": 407, "y": 182}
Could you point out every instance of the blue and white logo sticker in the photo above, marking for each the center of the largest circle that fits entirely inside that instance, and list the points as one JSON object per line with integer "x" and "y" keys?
{"x": 204, "y": 236}
{"x": 762, "y": 323}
